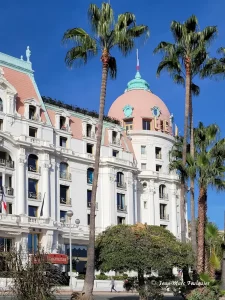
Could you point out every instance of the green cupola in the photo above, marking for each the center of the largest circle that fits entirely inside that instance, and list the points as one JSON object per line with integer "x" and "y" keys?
{"x": 137, "y": 84}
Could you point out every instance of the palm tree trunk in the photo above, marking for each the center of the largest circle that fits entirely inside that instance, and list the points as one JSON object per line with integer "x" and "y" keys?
{"x": 184, "y": 152}
{"x": 202, "y": 208}
{"x": 90, "y": 271}
{"x": 192, "y": 188}
{"x": 206, "y": 260}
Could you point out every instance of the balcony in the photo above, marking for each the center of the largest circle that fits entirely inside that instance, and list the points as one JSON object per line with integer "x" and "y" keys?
{"x": 121, "y": 208}
{"x": 34, "y": 169}
{"x": 66, "y": 176}
{"x": 164, "y": 217}
{"x": 163, "y": 196}
{"x": 9, "y": 191}
{"x": 7, "y": 163}
{"x": 65, "y": 128}
{"x": 116, "y": 141}
{"x": 65, "y": 201}
{"x": 35, "y": 118}
{"x": 38, "y": 221}
{"x": 89, "y": 205}
{"x": 121, "y": 185}
{"x": 158, "y": 156}
{"x": 34, "y": 195}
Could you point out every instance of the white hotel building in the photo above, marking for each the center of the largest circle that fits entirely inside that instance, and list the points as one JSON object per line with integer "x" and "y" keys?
{"x": 47, "y": 152}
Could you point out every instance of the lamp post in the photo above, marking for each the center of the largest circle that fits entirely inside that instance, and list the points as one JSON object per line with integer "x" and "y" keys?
{"x": 77, "y": 222}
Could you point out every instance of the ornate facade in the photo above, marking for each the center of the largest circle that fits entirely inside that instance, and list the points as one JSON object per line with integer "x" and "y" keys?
{"x": 46, "y": 164}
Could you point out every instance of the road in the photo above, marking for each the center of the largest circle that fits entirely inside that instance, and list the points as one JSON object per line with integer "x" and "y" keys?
{"x": 99, "y": 297}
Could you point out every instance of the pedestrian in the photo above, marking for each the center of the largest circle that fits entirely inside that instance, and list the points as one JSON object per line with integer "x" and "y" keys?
{"x": 113, "y": 285}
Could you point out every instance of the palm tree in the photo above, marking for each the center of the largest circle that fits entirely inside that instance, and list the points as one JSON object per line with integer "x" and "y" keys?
{"x": 184, "y": 60}
{"x": 108, "y": 34}
{"x": 213, "y": 248}
{"x": 210, "y": 158}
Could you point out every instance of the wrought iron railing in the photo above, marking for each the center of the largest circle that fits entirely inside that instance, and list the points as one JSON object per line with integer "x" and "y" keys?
{"x": 121, "y": 184}
{"x": 65, "y": 201}
{"x": 65, "y": 175}
{"x": 122, "y": 208}
{"x": 163, "y": 196}
{"x": 34, "y": 195}
{"x": 7, "y": 163}
{"x": 164, "y": 217}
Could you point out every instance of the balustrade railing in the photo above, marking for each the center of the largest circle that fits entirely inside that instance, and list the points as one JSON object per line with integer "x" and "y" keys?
{"x": 7, "y": 163}
{"x": 122, "y": 208}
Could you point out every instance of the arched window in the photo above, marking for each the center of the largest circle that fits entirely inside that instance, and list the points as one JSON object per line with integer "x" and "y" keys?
{"x": 162, "y": 192}
{"x": 1, "y": 104}
{"x": 90, "y": 175}
{"x": 120, "y": 180}
{"x": 63, "y": 170}
{"x": 33, "y": 163}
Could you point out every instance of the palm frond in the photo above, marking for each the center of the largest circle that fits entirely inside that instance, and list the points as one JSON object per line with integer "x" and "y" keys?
{"x": 94, "y": 15}
{"x": 191, "y": 24}
{"x": 195, "y": 89}
{"x": 208, "y": 34}
{"x": 85, "y": 46}
{"x": 112, "y": 67}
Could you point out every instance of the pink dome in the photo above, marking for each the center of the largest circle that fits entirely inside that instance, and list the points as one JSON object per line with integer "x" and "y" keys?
{"x": 142, "y": 102}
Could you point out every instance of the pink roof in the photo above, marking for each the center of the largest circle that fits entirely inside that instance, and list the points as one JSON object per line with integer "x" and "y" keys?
{"x": 24, "y": 86}
{"x": 142, "y": 102}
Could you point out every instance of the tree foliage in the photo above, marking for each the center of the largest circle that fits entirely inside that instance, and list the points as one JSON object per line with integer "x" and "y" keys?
{"x": 140, "y": 248}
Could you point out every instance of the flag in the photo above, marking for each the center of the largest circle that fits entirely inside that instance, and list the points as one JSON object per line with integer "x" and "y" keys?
{"x": 42, "y": 205}
{"x": 3, "y": 199}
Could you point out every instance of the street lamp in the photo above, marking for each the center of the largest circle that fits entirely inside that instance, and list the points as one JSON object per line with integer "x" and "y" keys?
{"x": 77, "y": 222}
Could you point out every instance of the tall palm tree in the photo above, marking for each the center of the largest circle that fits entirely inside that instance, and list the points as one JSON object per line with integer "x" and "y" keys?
{"x": 180, "y": 60}
{"x": 210, "y": 159}
{"x": 107, "y": 34}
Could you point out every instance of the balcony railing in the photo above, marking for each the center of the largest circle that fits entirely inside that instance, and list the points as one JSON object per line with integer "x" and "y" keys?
{"x": 34, "y": 169}
{"x": 35, "y": 220}
{"x": 65, "y": 201}
{"x": 164, "y": 217}
{"x": 121, "y": 185}
{"x": 35, "y": 117}
{"x": 90, "y": 134}
{"x": 7, "y": 163}
{"x": 158, "y": 156}
{"x": 66, "y": 176}
{"x": 163, "y": 196}
{"x": 122, "y": 208}
{"x": 116, "y": 141}
{"x": 64, "y": 127}
{"x": 34, "y": 195}
{"x": 9, "y": 191}
{"x": 89, "y": 204}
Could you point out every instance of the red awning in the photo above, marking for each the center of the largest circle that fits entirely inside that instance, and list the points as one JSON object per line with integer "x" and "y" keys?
{"x": 57, "y": 259}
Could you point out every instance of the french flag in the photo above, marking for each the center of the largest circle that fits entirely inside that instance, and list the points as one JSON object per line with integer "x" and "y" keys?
{"x": 3, "y": 199}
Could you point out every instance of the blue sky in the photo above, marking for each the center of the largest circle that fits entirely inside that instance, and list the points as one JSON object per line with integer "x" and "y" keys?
{"x": 41, "y": 24}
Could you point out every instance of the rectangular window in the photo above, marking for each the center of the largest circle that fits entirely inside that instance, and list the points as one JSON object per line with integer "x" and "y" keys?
{"x": 62, "y": 123}
{"x": 9, "y": 208}
{"x": 32, "y": 188}
{"x": 5, "y": 244}
{"x": 145, "y": 204}
{"x": 63, "y": 214}
{"x": 88, "y": 219}
{"x": 1, "y": 124}
{"x": 33, "y": 132}
{"x": 32, "y": 211}
{"x": 158, "y": 153}
{"x": 120, "y": 220}
{"x": 146, "y": 124}
{"x": 88, "y": 130}
{"x": 33, "y": 242}
{"x": 89, "y": 193}
{"x": 62, "y": 142}
{"x": 128, "y": 125}
{"x": 158, "y": 168}
{"x": 64, "y": 197}
{"x": 161, "y": 126}
{"x": 143, "y": 167}
{"x": 143, "y": 150}
{"x": 115, "y": 153}
{"x": 120, "y": 201}
{"x": 90, "y": 148}
{"x": 162, "y": 208}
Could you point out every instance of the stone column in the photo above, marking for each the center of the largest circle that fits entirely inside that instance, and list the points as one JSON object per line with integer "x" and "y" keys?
{"x": 45, "y": 189}
{"x": 151, "y": 206}
{"x": 21, "y": 199}
{"x": 135, "y": 201}
{"x": 3, "y": 185}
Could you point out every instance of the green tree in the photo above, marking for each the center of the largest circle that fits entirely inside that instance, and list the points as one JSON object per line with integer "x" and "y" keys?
{"x": 213, "y": 240}
{"x": 108, "y": 34}
{"x": 184, "y": 60}
{"x": 140, "y": 248}
{"x": 210, "y": 157}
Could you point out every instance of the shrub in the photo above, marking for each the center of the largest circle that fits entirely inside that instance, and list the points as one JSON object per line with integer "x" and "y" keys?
{"x": 204, "y": 293}
{"x": 101, "y": 276}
